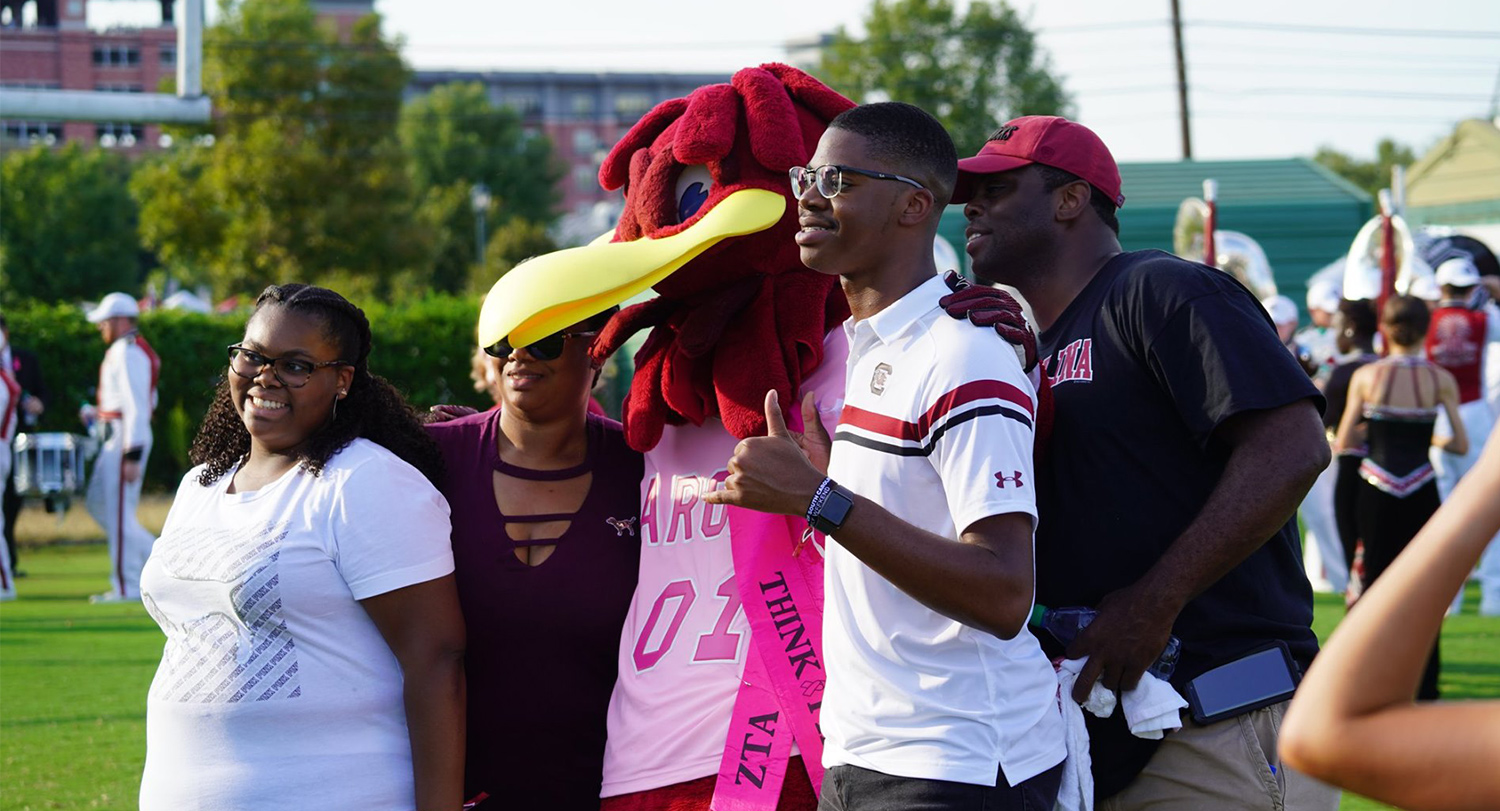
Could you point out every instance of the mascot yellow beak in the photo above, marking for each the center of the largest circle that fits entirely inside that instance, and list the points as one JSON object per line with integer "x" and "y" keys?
{"x": 557, "y": 290}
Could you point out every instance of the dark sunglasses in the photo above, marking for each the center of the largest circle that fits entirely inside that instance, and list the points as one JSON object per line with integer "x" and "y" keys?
{"x": 548, "y": 348}
{"x": 292, "y": 372}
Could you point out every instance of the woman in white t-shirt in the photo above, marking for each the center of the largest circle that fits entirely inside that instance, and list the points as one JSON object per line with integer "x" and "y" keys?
{"x": 304, "y": 580}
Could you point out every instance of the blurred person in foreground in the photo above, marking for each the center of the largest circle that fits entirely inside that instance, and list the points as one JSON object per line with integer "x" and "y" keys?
{"x": 1464, "y": 338}
{"x": 1184, "y": 437}
{"x": 122, "y": 421}
{"x": 24, "y": 367}
{"x": 1355, "y": 328}
{"x": 1353, "y": 722}
{"x": 1398, "y": 399}
{"x": 938, "y": 697}
{"x": 304, "y": 580}
{"x": 546, "y": 545}
{"x": 10, "y": 401}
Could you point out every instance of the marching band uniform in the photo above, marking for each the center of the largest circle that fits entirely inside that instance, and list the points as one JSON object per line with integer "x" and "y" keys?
{"x": 127, "y": 396}
{"x": 1464, "y": 338}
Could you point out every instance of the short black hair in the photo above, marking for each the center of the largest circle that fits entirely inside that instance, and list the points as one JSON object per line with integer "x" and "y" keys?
{"x": 1359, "y": 316}
{"x": 1054, "y": 178}
{"x": 906, "y": 136}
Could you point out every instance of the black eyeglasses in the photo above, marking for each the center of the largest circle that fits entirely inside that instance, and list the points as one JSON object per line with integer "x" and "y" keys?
{"x": 829, "y": 178}
{"x": 548, "y": 348}
{"x": 292, "y": 373}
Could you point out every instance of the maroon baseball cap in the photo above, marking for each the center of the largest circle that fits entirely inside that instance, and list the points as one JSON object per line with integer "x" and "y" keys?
{"x": 1049, "y": 140}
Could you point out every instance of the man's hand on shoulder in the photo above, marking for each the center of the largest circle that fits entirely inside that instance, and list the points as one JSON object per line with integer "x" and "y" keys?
{"x": 994, "y": 308}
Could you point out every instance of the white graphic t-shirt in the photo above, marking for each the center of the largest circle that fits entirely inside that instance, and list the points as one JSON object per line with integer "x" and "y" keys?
{"x": 275, "y": 688}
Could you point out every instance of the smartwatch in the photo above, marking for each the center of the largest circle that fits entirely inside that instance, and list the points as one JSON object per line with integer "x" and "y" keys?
{"x": 829, "y": 514}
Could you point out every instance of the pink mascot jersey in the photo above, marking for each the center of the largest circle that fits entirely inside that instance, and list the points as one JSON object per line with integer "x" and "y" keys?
{"x": 720, "y": 669}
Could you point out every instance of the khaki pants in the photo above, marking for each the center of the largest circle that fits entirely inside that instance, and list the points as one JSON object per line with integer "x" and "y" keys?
{"x": 1232, "y": 764}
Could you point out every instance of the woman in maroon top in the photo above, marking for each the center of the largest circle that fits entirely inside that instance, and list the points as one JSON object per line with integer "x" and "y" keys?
{"x": 545, "y": 502}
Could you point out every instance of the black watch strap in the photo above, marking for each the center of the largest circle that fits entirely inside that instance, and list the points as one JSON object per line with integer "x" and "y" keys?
{"x": 833, "y": 511}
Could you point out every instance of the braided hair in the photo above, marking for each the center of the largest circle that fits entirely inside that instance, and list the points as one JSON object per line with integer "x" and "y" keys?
{"x": 372, "y": 409}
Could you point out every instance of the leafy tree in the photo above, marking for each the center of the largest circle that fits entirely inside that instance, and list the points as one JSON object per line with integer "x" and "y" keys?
{"x": 68, "y": 228}
{"x": 508, "y": 246}
{"x": 1372, "y": 176}
{"x": 972, "y": 71}
{"x": 454, "y": 139}
{"x": 299, "y": 177}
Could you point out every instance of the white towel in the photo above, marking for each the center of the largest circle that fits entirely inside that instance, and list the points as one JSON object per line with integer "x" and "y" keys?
{"x": 1077, "y": 790}
{"x": 1151, "y": 709}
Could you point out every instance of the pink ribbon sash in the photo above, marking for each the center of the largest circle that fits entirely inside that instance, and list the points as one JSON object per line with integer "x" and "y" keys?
{"x": 781, "y": 690}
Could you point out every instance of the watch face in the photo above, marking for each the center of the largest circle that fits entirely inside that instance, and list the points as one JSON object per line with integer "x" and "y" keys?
{"x": 831, "y": 516}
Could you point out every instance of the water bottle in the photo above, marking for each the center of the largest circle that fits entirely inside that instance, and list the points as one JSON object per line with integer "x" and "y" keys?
{"x": 1065, "y": 623}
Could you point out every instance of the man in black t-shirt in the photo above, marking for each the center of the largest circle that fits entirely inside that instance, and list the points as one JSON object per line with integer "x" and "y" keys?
{"x": 1185, "y": 437}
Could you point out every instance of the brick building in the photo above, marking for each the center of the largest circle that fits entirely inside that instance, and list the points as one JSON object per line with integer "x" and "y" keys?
{"x": 49, "y": 46}
{"x": 584, "y": 114}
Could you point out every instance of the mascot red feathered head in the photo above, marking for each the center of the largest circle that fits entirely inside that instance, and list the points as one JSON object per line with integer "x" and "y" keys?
{"x": 708, "y": 222}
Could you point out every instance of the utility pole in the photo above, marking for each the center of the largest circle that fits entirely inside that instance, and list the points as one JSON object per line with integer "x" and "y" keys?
{"x": 1182, "y": 89}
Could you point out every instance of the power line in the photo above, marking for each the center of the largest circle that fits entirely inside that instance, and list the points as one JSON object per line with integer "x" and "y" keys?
{"x": 1346, "y": 30}
{"x": 1346, "y": 92}
{"x": 1299, "y": 69}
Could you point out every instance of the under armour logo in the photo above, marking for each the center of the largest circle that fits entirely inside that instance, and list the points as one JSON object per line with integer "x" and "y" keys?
{"x": 812, "y": 687}
{"x": 1001, "y": 479}
{"x": 1004, "y": 133}
{"x": 877, "y": 380}
{"x": 622, "y": 526}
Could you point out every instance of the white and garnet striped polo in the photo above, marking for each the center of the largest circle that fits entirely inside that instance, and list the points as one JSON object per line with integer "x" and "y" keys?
{"x": 937, "y": 429}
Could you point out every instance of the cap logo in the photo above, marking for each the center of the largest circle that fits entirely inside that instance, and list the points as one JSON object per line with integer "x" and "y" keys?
{"x": 1004, "y": 133}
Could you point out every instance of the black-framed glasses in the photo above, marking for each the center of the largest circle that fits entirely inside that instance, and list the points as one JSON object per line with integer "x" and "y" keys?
{"x": 292, "y": 372}
{"x": 829, "y": 178}
{"x": 548, "y": 348}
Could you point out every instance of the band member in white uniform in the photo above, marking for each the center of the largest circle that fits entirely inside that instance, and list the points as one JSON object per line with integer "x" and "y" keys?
{"x": 1464, "y": 338}
{"x": 10, "y": 401}
{"x": 127, "y": 396}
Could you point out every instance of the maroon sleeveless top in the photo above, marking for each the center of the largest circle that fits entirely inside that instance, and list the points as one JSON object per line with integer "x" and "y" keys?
{"x": 543, "y": 640}
{"x": 1455, "y": 341}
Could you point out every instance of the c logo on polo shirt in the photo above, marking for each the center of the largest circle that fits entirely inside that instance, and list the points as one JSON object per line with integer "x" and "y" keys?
{"x": 877, "y": 380}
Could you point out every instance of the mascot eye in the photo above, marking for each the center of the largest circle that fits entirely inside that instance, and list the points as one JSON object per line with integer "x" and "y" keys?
{"x": 693, "y": 186}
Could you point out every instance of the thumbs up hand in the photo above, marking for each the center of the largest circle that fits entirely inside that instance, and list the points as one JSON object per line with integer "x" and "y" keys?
{"x": 773, "y": 474}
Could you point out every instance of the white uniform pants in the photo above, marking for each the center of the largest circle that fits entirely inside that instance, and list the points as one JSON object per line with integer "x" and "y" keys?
{"x": 7, "y": 572}
{"x": 1479, "y": 423}
{"x": 1324, "y": 555}
{"x": 112, "y": 502}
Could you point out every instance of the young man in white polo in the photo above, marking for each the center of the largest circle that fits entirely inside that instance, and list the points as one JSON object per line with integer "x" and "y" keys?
{"x": 938, "y": 696}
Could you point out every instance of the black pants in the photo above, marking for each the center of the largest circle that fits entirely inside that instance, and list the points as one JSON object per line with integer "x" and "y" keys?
{"x": 1386, "y": 525}
{"x": 12, "y": 506}
{"x": 850, "y": 788}
{"x": 1345, "y": 493}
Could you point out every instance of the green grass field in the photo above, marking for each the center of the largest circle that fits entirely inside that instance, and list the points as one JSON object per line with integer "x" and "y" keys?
{"x": 74, "y": 676}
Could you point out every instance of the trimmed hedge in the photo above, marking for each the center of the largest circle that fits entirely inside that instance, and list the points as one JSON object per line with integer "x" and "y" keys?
{"x": 423, "y": 348}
